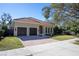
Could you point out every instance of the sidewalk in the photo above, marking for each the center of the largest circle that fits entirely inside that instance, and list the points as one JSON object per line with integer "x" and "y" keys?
{"x": 16, "y": 52}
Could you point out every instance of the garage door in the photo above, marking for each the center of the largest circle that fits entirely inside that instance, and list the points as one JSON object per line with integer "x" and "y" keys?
{"x": 21, "y": 31}
{"x": 33, "y": 31}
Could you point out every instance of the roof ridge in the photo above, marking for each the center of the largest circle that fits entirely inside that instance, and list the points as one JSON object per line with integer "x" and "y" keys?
{"x": 27, "y": 18}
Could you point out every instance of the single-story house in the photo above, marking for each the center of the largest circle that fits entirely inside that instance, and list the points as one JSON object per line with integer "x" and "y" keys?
{"x": 31, "y": 26}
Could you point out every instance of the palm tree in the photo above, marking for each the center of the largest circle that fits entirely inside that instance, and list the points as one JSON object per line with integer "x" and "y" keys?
{"x": 46, "y": 12}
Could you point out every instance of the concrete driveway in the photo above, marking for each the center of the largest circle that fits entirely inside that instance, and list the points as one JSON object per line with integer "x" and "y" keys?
{"x": 27, "y": 38}
{"x": 60, "y": 48}
{"x": 36, "y": 40}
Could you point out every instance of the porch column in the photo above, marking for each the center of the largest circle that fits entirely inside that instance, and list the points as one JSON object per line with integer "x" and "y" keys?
{"x": 37, "y": 30}
{"x": 44, "y": 30}
{"x": 28, "y": 31}
{"x": 15, "y": 31}
{"x": 51, "y": 31}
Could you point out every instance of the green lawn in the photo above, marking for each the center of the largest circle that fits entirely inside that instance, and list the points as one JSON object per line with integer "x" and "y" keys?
{"x": 63, "y": 37}
{"x": 10, "y": 43}
{"x": 76, "y": 42}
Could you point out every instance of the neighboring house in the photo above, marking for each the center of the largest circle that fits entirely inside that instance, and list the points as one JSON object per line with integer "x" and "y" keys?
{"x": 31, "y": 26}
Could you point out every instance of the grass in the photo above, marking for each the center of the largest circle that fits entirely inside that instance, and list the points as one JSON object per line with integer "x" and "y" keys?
{"x": 76, "y": 42}
{"x": 63, "y": 37}
{"x": 10, "y": 43}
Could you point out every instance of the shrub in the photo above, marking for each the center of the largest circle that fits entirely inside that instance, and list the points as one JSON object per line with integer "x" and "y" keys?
{"x": 8, "y": 32}
{"x": 57, "y": 30}
{"x": 1, "y": 34}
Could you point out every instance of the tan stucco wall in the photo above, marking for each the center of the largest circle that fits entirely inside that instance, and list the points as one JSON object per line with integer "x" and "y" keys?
{"x": 28, "y": 26}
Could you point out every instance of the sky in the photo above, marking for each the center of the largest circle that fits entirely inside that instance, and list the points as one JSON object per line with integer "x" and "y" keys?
{"x": 19, "y": 10}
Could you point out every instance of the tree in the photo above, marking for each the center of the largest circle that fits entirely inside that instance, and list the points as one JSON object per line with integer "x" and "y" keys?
{"x": 65, "y": 15}
{"x": 63, "y": 11}
{"x": 72, "y": 26}
{"x": 46, "y": 12}
{"x": 6, "y": 21}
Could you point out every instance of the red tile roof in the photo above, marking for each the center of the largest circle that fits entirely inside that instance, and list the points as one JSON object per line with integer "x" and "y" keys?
{"x": 31, "y": 20}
